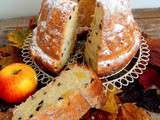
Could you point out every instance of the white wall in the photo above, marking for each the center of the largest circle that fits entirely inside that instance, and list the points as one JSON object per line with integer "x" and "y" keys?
{"x": 16, "y": 8}
{"x": 145, "y": 3}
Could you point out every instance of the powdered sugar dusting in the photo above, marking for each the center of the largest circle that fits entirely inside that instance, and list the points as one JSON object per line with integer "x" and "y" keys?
{"x": 63, "y": 5}
{"x": 118, "y": 28}
{"x": 130, "y": 19}
{"x": 107, "y": 52}
{"x": 34, "y": 47}
{"x": 122, "y": 57}
{"x": 43, "y": 26}
{"x": 116, "y": 5}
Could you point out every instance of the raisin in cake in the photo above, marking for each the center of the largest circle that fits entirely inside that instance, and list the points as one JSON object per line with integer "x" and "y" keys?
{"x": 55, "y": 36}
{"x": 114, "y": 37}
{"x": 73, "y": 93}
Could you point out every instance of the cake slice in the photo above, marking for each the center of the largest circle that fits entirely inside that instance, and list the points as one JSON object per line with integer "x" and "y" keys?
{"x": 114, "y": 37}
{"x": 55, "y": 36}
{"x": 73, "y": 93}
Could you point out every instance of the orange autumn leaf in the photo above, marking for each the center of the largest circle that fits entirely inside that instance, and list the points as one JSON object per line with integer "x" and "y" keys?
{"x": 130, "y": 111}
{"x": 16, "y": 38}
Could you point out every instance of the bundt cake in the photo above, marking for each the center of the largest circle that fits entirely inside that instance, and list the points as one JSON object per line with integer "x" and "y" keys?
{"x": 73, "y": 93}
{"x": 55, "y": 36}
{"x": 114, "y": 37}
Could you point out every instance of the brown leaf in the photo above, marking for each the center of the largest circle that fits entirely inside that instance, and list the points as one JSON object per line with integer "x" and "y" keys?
{"x": 33, "y": 22}
{"x": 98, "y": 115}
{"x": 130, "y": 111}
{"x": 6, "y": 115}
{"x": 9, "y": 55}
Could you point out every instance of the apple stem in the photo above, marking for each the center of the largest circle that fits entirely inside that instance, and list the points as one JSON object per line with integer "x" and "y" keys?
{"x": 16, "y": 72}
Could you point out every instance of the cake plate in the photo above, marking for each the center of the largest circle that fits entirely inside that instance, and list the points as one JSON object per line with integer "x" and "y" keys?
{"x": 122, "y": 78}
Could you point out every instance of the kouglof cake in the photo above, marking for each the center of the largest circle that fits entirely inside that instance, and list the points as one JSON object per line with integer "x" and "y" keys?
{"x": 55, "y": 36}
{"x": 114, "y": 37}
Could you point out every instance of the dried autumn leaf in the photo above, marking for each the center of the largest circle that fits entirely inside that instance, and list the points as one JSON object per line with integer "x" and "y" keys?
{"x": 6, "y": 115}
{"x": 130, "y": 111}
{"x": 154, "y": 46}
{"x": 148, "y": 78}
{"x": 111, "y": 105}
{"x": 16, "y": 38}
{"x": 97, "y": 114}
{"x": 9, "y": 55}
{"x": 33, "y": 22}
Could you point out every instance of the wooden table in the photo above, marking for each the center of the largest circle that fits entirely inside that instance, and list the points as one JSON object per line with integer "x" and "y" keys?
{"x": 149, "y": 21}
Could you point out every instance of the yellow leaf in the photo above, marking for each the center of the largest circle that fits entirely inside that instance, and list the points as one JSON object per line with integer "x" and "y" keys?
{"x": 111, "y": 105}
{"x": 16, "y": 38}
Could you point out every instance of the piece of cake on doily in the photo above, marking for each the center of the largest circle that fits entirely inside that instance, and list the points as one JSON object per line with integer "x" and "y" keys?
{"x": 114, "y": 37}
{"x": 113, "y": 40}
{"x": 55, "y": 36}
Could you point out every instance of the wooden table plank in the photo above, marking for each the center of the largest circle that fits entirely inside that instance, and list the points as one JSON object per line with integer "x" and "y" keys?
{"x": 146, "y": 13}
{"x": 148, "y": 20}
{"x": 150, "y": 26}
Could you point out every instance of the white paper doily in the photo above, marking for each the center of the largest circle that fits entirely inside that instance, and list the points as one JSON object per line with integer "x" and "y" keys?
{"x": 131, "y": 71}
{"x": 122, "y": 78}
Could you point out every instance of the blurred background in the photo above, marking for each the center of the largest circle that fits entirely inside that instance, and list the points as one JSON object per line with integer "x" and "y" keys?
{"x": 18, "y": 8}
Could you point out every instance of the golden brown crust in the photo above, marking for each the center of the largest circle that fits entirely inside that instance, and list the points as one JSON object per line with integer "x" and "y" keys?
{"x": 86, "y": 12}
{"x": 94, "y": 94}
{"x": 49, "y": 35}
{"x": 119, "y": 64}
{"x": 118, "y": 43}
{"x": 118, "y": 39}
{"x": 51, "y": 68}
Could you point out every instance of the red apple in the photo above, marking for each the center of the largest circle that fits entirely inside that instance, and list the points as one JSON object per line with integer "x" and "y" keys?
{"x": 17, "y": 82}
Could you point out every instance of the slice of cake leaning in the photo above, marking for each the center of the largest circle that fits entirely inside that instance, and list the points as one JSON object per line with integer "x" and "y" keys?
{"x": 73, "y": 93}
{"x": 114, "y": 37}
{"x": 55, "y": 36}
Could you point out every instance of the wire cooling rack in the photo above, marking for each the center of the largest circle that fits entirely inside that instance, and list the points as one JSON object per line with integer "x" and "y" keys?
{"x": 122, "y": 78}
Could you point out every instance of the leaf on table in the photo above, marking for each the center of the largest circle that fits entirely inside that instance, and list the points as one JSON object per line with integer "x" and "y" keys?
{"x": 6, "y": 115}
{"x": 154, "y": 46}
{"x": 33, "y": 22}
{"x": 148, "y": 77}
{"x": 16, "y": 38}
{"x": 112, "y": 102}
{"x": 97, "y": 114}
{"x": 130, "y": 111}
{"x": 9, "y": 55}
